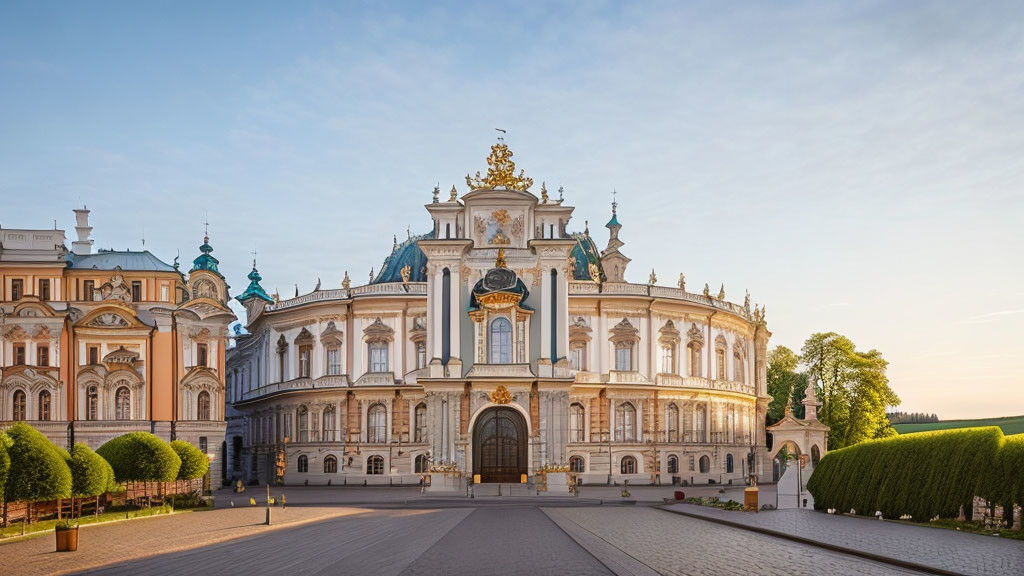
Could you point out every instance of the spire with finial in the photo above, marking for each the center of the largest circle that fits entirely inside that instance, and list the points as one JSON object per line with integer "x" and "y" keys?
{"x": 499, "y": 262}
{"x": 254, "y": 290}
{"x": 453, "y": 195}
{"x": 206, "y": 261}
{"x": 653, "y": 278}
{"x": 561, "y": 194}
{"x": 613, "y": 261}
{"x": 371, "y": 274}
{"x": 721, "y": 292}
{"x": 543, "y": 193}
{"x": 394, "y": 242}
{"x": 346, "y": 282}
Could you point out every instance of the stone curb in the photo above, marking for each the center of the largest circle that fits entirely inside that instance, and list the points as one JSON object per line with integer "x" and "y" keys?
{"x": 834, "y": 548}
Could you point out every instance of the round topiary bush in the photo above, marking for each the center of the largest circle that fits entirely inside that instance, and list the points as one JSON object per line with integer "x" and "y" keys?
{"x": 141, "y": 457}
{"x": 90, "y": 473}
{"x": 194, "y": 464}
{"x": 38, "y": 470}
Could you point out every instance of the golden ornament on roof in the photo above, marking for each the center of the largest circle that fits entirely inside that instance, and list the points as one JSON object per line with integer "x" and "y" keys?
{"x": 501, "y": 395}
{"x": 501, "y": 172}
{"x": 499, "y": 262}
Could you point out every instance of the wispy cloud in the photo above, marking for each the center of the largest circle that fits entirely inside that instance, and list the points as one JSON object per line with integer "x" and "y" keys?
{"x": 992, "y": 316}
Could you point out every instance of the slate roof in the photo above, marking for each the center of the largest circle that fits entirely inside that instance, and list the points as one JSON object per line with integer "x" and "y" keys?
{"x": 128, "y": 260}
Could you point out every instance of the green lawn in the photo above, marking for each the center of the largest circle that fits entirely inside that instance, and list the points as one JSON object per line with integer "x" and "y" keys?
{"x": 1010, "y": 425}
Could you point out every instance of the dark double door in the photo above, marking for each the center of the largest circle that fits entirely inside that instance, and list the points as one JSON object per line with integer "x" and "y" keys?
{"x": 499, "y": 445}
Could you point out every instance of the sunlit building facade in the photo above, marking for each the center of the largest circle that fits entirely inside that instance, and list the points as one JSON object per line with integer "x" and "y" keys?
{"x": 499, "y": 344}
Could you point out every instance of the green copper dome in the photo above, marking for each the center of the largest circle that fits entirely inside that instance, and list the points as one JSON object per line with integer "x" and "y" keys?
{"x": 407, "y": 253}
{"x": 205, "y": 261}
{"x": 585, "y": 253}
{"x": 254, "y": 290}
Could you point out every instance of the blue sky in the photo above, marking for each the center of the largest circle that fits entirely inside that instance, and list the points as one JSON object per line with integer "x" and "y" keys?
{"x": 858, "y": 167}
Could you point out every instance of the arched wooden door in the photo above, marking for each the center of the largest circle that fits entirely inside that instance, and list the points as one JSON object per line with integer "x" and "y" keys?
{"x": 499, "y": 445}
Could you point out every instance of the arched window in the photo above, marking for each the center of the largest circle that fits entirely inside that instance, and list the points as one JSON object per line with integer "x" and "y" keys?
{"x": 673, "y": 464}
{"x": 729, "y": 463}
{"x": 203, "y": 406}
{"x": 705, "y": 464}
{"x": 375, "y": 465}
{"x": 92, "y": 403}
{"x": 739, "y": 374}
{"x": 328, "y": 424}
{"x": 700, "y": 422}
{"x": 44, "y": 405}
{"x": 576, "y": 464}
{"x": 303, "y": 424}
{"x": 501, "y": 341}
{"x": 377, "y": 424}
{"x": 303, "y": 464}
{"x": 330, "y": 465}
{"x": 815, "y": 455}
{"x": 672, "y": 423}
{"x": 576, "y": 422}
{"x": 628, "y": 465}
{"x": 695, "y": 350}
{"x": 420, "y": 423}
{"x": 19, "y": 405}
{"x": 123, "y": 404}
{"x": 421, "y": 464}
{"x": 720, "y": 363}
{"x": 625, "y": 423}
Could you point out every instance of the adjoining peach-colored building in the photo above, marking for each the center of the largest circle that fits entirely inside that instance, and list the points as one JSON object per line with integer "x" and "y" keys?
{"x": 98, "y": 344}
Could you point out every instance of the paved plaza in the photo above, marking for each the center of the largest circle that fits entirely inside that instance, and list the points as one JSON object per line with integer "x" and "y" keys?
{"x": 405, "y": 533}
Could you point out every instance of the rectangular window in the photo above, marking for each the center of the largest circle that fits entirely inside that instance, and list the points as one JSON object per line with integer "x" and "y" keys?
{"x": 333, "y": 362}
{"x": 17, "y": 288}
{"x": 94, "y": 355}
{"x": 305, "y": 353}
{"x": 201, "y": 355}
{"x": 576, "y": 358}
{"x": 43, "y": 356}
{"x": 19, "y": 354}
{"x": 421, "y": 355}
{"x": 88, "y": 290}
{"x": 378, "y": 357}
{"x": 136, "y": 291}
{"x": 44, "y": 290}
{"x": 667, "y": 360}
{"x": 720, "y": 361}
{"x": 165, "y": 293}
{"x": 280, "y": 366}
{"x": 521, "y": 341}
{"x": 624, "y": 359}
{"x": 203, "y": 446}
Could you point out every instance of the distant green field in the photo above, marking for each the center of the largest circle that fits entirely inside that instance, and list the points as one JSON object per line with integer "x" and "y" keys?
{"x": 1010, "y": 425}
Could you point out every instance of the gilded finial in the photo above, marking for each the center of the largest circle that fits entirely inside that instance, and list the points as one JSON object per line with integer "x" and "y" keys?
{"x": 653, "y": 279}
{"x": 721, "y": 292}
{"x": 707, "y": 290}
{"x": 345, "y": 282}
{"x": 501, "y": 172}
{"x": 746, "y": 302}
{"x": 437, "y": 192}
{"x": 682, "y": 281}
{"x": 406, "y": 271}
{"x": 543, "y": 193}
{"x": 499, "y": 262}
{"x": 453, "y": 195}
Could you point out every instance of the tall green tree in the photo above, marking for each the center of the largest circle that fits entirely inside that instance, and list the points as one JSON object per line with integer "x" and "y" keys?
{"x": 783, "y": 381}
{"x": 91, "y": 475}
{"x": 853, "y": 389}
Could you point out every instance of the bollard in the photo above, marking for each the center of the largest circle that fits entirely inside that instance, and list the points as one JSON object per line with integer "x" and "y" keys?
{"x": 268, "y": 504}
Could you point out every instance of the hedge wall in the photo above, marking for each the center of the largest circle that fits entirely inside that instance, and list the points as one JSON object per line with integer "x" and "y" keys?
{"x": 924, "y": 474}
{"x": 141, "y": 457}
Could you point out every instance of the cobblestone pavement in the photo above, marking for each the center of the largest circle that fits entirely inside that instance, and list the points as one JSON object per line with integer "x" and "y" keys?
{"x": 111, "y": 542}
{"x": 959, "y": 552}
{"x": 676, "y": 545}
{"x": 506, "y": 540}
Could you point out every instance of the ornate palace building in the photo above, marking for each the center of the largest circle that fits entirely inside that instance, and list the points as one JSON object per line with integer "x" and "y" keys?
{"x": 98, "y": 344}
{"x": 499, "y": 343}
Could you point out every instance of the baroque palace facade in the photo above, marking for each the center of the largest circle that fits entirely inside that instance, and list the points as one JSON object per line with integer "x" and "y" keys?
{"x": 98, "y": 344}
{"x": 499, "y": 344}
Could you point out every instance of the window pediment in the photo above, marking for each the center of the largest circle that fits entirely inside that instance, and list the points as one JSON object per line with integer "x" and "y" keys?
{"x": 695, "y": 334}
{"x": 304, "y": 337}
{"x": 579, "y": 331}
{"x": 332, "y": 336}
{"x": 668, "y": 334}
{"x": 378, "y": 332}
{"x": 624, "y": 334}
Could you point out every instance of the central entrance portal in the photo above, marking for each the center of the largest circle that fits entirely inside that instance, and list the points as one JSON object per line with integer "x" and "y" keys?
{"x": 499, "y": 445}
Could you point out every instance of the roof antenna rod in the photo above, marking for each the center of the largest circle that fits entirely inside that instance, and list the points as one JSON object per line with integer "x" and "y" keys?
{"x": 502, "y": 137}
{"x": 143, "y": 238}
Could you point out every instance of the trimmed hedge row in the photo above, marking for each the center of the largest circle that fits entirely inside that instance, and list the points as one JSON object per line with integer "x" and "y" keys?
{"x": 194, "y": 464}
{"x": 925, "y": 474}
{"x": 39, "y": 470}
